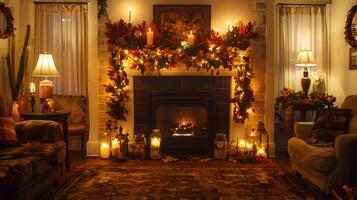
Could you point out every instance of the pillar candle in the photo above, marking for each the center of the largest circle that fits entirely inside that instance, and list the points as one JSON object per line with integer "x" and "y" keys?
{"x": 190, "y": 39}
{"x": 149, "y": 37}
{"x": 104, "y": 150}
{"x": 129, "y": 14}
{"x": 32, "y": 88}
{"x": 115, "y": 147}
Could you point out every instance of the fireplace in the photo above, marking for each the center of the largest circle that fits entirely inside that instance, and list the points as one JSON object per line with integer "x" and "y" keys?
{"x": 185, "y": 122}
{"x": 189, "y": 111}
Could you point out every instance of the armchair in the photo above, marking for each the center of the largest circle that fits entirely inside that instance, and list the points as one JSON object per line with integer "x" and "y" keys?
{"x": 326, "y": 167}
{"x": 78, "y": 120}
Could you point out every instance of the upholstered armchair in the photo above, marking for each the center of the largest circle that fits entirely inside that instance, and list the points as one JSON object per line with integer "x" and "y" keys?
{"x": 78, "y": 120}
{"x": 326, "y": 167}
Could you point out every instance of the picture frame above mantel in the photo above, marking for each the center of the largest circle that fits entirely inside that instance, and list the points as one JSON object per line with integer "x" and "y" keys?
{"x": 182, "y": 19}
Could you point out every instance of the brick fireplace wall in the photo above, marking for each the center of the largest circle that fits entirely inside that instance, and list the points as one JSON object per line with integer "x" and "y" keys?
{"x": 258, "y": 83}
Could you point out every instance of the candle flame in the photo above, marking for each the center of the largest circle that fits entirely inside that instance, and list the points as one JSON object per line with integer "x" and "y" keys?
{"x": 190, "y": 32}
{"x": 149, "y": 29}
{"x": 130, "y": 9}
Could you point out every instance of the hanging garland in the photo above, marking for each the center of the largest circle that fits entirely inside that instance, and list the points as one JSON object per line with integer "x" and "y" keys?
{"x": 128, "y": 46}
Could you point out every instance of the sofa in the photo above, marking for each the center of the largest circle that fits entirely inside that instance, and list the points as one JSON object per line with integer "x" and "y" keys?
{"x": 27, "y": 170}
{"x": 328, "y": 167}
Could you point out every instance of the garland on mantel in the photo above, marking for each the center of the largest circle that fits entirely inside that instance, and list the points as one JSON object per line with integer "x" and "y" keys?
{"x": 128, "y": 47}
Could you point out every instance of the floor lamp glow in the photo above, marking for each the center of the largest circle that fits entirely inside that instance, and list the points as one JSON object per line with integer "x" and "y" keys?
{"x": 305, "y": 59}
{"x": 45, "y": 68}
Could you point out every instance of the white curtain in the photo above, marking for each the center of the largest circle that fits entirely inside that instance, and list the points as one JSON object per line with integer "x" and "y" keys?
{"x": 60, "y": 30}
{"x": 301, "y": 27}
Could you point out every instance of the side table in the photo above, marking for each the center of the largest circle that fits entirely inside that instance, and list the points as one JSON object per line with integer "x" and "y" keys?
{"x": 60, "y": 117}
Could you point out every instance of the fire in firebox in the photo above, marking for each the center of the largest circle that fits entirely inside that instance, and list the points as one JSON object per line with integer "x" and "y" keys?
{"x": 187, "y": 129}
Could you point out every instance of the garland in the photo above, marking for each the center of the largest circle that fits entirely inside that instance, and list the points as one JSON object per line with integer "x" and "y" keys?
{"x": 127, "y": 44}
{"x": 349, "y": 37}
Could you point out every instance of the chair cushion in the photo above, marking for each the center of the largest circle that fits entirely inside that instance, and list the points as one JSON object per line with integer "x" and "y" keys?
{"x": 77, "y": 128}
{"x": 19, "y": 167}
{"x": 318, "y": 158}
{"x": 73, "y": 104}
{"x": 40, "y": 165}
{"x": 8, "y": 135}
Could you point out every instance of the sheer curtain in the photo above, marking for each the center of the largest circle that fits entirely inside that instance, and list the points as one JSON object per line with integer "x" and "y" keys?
{"x": 301, "y": 27}
{"x": 60, "y": 30}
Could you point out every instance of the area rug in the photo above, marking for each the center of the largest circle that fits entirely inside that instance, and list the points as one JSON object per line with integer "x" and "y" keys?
{"x": 258, "y": 182}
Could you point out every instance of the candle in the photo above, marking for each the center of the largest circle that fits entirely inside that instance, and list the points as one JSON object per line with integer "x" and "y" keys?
{"x": 155, "y": 142}
{"x": 32, "y": 88}
{"x": 115, "y": 147}
{"x": 261, "y": 154}
{"x": 242, "y": 146}
{"x": 104, "y": 150}
{"x": 149, "y": 37}
{"x": 129, "y": 14}
{"x": 190, "y": 39}
{"x": 249, "y": 146}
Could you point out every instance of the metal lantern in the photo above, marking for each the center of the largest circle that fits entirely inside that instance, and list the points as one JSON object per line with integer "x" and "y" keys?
{"x": 263, "y": 142}
{"x": 123, "y": 144}
{"x": 155, "y": 144}
{"x": 220, "y": 147}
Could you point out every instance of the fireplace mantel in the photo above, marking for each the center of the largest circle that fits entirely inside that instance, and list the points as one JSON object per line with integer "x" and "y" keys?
{"x": 181, "y": 70}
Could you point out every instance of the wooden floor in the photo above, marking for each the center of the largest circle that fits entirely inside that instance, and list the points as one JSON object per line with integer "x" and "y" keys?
{"x": 79, "y": 162}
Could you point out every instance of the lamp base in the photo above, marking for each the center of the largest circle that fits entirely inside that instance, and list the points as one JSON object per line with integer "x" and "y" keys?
{"x": 305, "y": 84}
{"x": 46, "y": 89}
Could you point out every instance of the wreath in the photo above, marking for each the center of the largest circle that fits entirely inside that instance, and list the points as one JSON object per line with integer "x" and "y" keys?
{"x": 349, "y": 37}
{"x": 9, "y": 21}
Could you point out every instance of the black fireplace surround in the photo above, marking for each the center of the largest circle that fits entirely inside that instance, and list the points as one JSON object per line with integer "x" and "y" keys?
{"x": 189, "y": 111}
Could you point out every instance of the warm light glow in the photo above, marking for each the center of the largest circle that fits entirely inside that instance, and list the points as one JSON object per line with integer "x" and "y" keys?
{"x": 305, "y": 59}
{"x": 155, "y": 142}
{"x": 32, "y": 88}
{"x": 104, "y": 150}
{"x": 45, "y": 67}
{"x": 261, "y": 154}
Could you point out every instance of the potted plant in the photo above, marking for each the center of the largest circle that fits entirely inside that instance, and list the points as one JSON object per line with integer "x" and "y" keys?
{"x": 16, "y": 82}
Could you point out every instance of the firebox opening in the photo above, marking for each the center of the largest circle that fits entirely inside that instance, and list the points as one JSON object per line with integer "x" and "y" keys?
{"x": 182, "y": 121}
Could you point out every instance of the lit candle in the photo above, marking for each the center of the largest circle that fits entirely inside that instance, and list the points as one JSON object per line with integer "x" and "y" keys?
{"x": 129, "y": 14}
{"x": 104, "y": 150}
{"x": 115, "y": 147}
{"x": 249, "y": 146}
{"x": 190, "y": 39}
{"x": 155, "y": 142}
{"x": 261, "y": 154}
{"x": 149, "y": 37}
{"x": 242, "y": 146}
{"x": 32, "y": 88}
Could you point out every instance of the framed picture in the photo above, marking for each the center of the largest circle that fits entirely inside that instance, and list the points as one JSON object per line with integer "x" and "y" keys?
{"x": 181, "y": 19}
{"x": 353, "y": 58}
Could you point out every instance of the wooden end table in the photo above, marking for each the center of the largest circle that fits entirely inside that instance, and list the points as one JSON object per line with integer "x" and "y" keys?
{"x": 60, "y": 117}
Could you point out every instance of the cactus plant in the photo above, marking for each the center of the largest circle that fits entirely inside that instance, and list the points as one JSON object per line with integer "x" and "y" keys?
{"x": 16, "y": 83}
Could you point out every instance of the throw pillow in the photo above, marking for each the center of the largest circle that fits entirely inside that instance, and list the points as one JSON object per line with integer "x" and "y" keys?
{"x": 8, "y": 135}
{"x": 330, "y": 123}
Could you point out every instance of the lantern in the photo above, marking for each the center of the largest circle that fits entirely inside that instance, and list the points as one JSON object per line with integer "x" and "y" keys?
{"x": 155, "y": 144}
{"x": 139, "y": 146}
{"x": 263, "y": 136}
{"x": 123, "y": 141}
{"x": 220, "y": 146}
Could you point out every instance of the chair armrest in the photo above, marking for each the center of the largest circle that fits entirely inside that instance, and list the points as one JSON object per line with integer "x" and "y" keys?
{"x": 44, "y": 131}
{"x": 303, "y": 130}
{"x": 345, "y": 152}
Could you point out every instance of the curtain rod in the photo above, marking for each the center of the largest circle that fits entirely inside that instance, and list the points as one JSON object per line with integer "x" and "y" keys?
{"x": 303, "y": 4}
{"x": 61, "y": 2}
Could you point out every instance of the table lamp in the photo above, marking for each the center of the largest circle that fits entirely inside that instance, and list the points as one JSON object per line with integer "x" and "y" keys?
{"x": 305, "y": 59}
{"x": 45, "y": 68}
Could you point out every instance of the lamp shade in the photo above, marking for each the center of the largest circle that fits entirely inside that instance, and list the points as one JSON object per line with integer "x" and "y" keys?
{"x": 45, "y": 67}
{"x": 305, "y": 59}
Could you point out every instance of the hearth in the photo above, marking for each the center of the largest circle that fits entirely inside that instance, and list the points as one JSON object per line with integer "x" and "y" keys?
{"x": 189, "y": 111}
{"x": 185, "y": 122}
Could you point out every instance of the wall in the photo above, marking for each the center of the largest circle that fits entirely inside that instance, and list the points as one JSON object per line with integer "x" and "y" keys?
{"x": 221, "y": 12}
{"x": 343, "y": 81}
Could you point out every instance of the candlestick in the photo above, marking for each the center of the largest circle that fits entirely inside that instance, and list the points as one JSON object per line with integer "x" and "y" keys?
{"x": 190, "y": 39}
{"x": 129, "y": 14}
{"x": 149, "y": 37}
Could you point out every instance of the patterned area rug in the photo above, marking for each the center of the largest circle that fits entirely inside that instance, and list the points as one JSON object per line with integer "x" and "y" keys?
{"x": 259, "y": 182}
